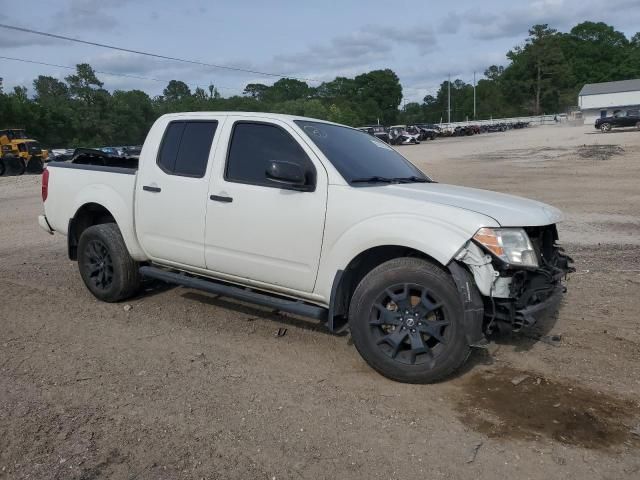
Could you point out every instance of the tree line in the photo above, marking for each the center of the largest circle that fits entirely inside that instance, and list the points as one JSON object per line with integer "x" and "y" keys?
{"x": 544, "y": 74}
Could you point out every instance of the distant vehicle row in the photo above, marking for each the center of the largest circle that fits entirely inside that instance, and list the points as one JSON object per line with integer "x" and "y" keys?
{"x": 419, "y": 132}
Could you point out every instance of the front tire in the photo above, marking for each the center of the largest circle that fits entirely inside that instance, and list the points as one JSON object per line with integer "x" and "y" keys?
{"x": 605, "y": 127}
{"x": 105, "y": 265}
{"x": 406, "y": 321}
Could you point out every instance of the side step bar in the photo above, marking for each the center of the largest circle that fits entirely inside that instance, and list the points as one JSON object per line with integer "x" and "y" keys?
{"x": 296, "y": 307}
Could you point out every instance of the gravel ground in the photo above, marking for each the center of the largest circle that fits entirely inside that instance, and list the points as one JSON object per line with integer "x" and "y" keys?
{"x": 180, "y": 384}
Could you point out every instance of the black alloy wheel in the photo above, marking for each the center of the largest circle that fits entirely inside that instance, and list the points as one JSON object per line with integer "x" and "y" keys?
{"x": 105, "y": 265}
{"x": 407, "y": 321}
{"x": 99, "y": 265}
{"x": 409, "y": 324}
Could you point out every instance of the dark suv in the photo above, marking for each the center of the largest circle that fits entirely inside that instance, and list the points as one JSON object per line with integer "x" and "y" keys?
{"x": 377, "y": 131}
{"x": 620, "y": 118}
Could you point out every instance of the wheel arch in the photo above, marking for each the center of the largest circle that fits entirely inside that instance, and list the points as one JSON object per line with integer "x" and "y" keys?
{"x": 91, "y": 213}
{"x": 86, "y": 216}
{"x": 346, "y": 280}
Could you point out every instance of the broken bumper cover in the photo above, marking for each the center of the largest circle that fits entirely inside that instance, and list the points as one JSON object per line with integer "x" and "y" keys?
{"x": 533, "y": 293}
{"x": 528, "y": 316}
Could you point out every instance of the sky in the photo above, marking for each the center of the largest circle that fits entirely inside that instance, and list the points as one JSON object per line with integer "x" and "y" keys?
{"x": 422, "y": 41}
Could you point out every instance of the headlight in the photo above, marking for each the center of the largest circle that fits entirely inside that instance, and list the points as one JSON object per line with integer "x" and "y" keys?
{"x": 511, "y": 245}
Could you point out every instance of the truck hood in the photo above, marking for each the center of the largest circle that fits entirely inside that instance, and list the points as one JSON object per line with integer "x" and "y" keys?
{"x": 507, "y": 210}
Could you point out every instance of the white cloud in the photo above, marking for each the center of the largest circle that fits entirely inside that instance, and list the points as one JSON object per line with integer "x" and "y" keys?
{"x": 89, "y": 14}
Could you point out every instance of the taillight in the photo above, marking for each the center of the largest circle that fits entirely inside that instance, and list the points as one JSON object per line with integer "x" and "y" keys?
{"x": 45, "y": 184}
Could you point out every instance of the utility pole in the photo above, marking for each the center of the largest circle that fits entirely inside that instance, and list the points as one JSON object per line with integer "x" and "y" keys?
{"x": 449, "y": 99}
{"x": 474, "y": 95}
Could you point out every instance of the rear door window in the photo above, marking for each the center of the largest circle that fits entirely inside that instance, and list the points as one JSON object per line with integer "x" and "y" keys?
{"x": 185, "y": 148}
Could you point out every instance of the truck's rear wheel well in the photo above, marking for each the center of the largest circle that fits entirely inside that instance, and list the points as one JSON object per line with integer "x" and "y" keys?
{"x": 88, "y": 215}
{"x": 356, "y": 271}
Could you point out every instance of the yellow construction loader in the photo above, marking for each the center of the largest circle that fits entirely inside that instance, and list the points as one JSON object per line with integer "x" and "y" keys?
{"x": 19, "y": 153}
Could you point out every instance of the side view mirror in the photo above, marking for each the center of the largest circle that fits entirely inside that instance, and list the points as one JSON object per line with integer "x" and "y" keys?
{"x": 288, "y": 174}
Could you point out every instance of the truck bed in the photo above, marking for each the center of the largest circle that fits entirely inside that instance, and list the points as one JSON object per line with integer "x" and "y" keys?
{"x": 74, "y": 185}
{"x": 88, "y": 156}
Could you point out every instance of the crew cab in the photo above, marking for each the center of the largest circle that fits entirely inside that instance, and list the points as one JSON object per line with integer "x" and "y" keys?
{"x": 619, "y": 119}
{"x": 316, "y": 219}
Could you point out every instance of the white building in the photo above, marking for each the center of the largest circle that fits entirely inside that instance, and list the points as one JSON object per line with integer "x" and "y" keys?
{"x": 604, "y": 99}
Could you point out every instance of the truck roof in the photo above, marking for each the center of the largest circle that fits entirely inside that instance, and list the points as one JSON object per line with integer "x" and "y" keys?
{"x": 277, "y": 116}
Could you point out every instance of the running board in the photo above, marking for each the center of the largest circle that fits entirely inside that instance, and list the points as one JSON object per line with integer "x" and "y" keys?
{"x": 296, "y": 307}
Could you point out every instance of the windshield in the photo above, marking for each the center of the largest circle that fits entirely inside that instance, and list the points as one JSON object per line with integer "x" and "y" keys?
{"x": 359, "y": 156}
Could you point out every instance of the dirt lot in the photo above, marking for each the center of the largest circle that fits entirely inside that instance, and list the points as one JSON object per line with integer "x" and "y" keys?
{"x": 186, "y": 385}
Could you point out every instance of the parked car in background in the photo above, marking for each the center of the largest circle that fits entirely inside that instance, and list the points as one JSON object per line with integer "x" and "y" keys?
{"x": 399, "y": 135}
{"x": 464, "y": 130}
{"x": 61, "y": 154}
{"x": 378, "y": 131}
{"x": 131, "y": 151}
{"x": 428, "y": 131}
{"x": 110, "y": 151}
{"x": 619, "y": 119}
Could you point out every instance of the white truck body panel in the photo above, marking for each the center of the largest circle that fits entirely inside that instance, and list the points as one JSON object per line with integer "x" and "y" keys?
{"x": 70, "y": 189}
{"x": 266, "y": 234}
{"x": 170, "y": 223}
{"x": 290, "y": 242}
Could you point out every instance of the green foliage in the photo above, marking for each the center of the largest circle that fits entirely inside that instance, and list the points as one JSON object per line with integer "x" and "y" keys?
{"x": 80, "y": 113}
{"x": 544, "y": 74}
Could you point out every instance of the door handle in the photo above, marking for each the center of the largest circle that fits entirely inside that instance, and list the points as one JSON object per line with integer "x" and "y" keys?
{"x": 148, "y": 188}
{"x": 219, "y": 198}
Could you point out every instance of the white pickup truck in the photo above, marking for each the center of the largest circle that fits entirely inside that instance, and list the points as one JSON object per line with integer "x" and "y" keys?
{"x": 315, "y": 219}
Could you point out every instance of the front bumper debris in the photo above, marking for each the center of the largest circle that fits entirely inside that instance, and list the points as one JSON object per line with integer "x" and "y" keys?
{"x": 533, "y": 293}
{"x": 515, "y": 297}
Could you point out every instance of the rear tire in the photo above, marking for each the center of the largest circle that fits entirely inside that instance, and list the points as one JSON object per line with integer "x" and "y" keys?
{"x": 22, "y": 166}
{"x": 2, "y": 167}
{"x": 35, "y": 165}
{"x": 105, "y": 265}
{"x": 638, "y": 125}
{"x": 406, "y": 320}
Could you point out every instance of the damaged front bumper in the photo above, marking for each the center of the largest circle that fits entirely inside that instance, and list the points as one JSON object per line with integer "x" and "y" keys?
{"x": 533, "y": 292}
{"x": 516, "y": 297}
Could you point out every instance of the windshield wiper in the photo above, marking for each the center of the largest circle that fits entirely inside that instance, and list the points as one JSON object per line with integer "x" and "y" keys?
{"x": 378, "y": 179}
{"x": 373, "y": 179}
{"x": 412, "y": 179}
